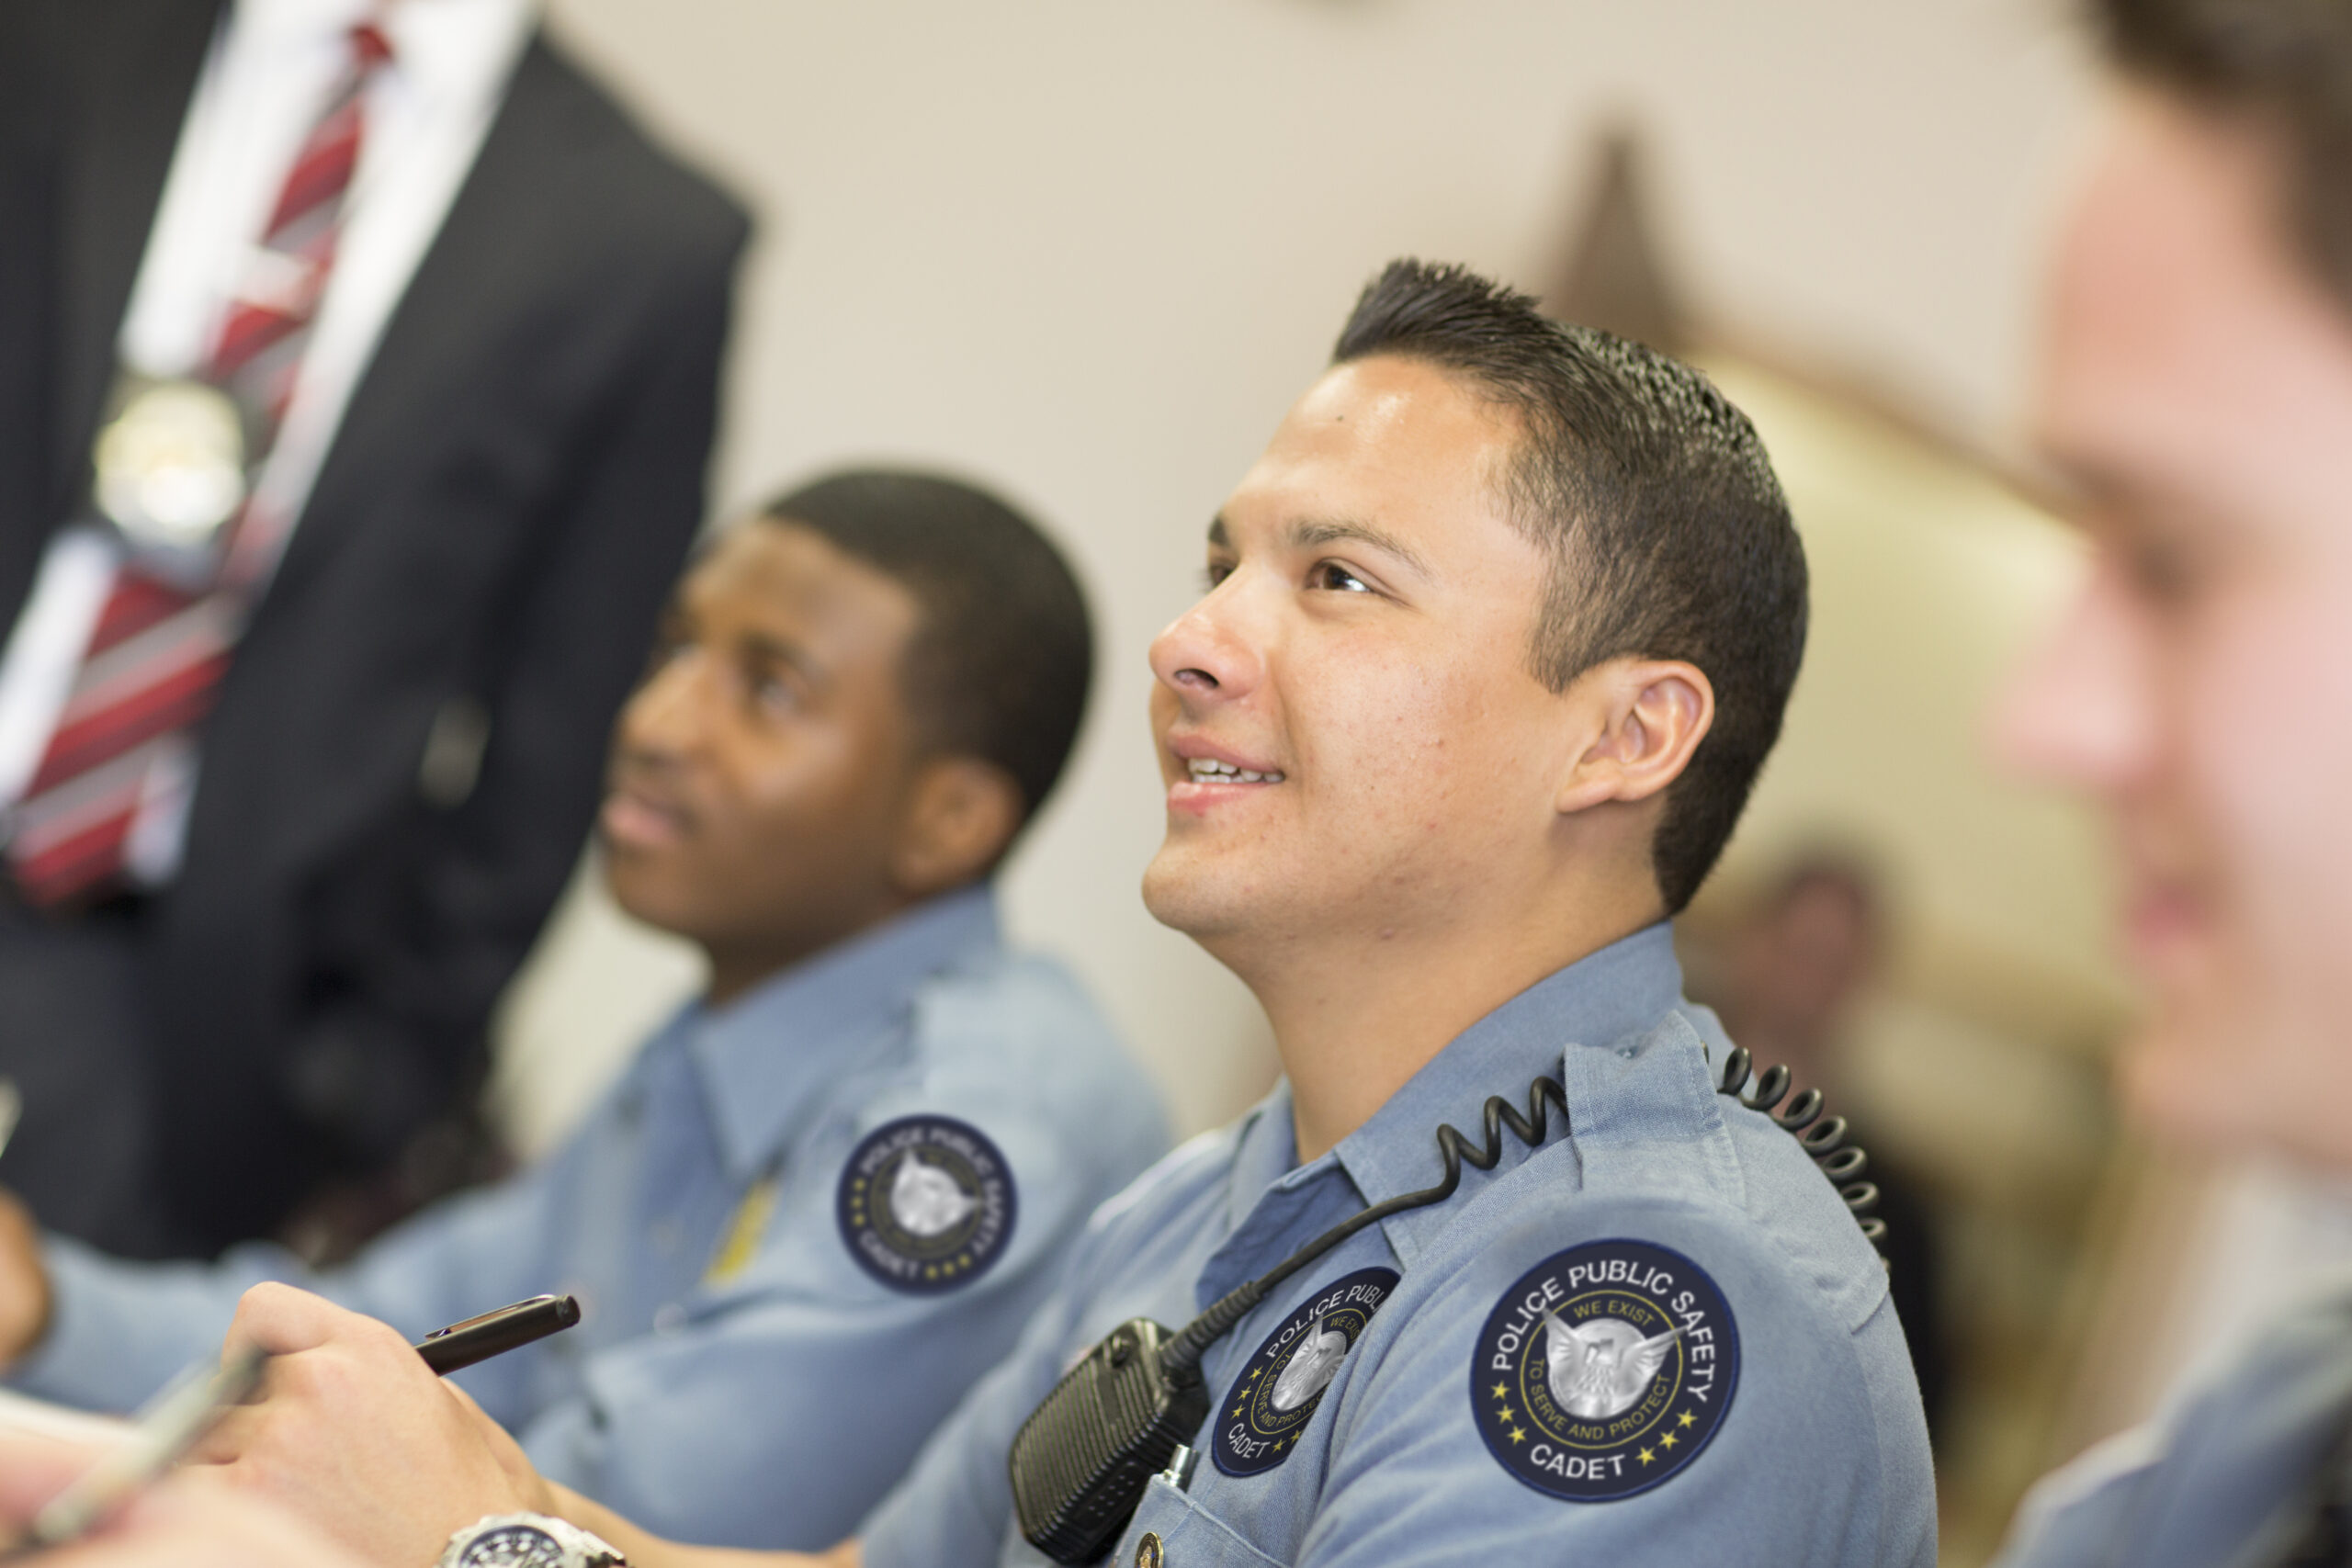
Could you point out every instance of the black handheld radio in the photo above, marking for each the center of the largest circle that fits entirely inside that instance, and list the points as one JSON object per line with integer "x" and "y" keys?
{"x": 1080, "y": 1463}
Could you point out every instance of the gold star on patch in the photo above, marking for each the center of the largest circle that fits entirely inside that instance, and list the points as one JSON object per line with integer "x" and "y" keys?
{"x": 1502, "y": 1390}
{"x": 1517, "y": 1436}
{"x": 1503, "y": 1411}
{"x": 1669, "y": 1440}
{"x": 1646, "y": 1456}
{"x": 1688, "y": 1418}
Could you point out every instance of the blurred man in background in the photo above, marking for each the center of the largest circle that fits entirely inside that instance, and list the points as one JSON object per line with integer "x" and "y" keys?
{"x": 831, "y": 1193}
{"x": 1786, "y": 977}
{"x": 357, "y": 371}
{"x": 2197, "y": 386}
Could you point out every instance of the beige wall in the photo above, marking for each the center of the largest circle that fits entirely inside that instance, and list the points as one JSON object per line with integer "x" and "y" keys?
{"x": 1089, "y": 250}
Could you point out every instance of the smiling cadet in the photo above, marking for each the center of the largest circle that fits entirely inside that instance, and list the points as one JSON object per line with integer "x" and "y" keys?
{"x": 1499, "y": 630}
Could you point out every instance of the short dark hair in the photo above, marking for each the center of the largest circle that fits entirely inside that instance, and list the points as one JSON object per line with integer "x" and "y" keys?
{"x": 2286, "y": 66}
{"x": 1001, "y": 662}
{"x": 1667, "y": 533}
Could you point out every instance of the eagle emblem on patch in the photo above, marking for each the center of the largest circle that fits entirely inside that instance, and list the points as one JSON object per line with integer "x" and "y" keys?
{"x": 1605, "y": 1370}
{"x": 1276, "y": 1393}
{"x": 926, "y": 1203}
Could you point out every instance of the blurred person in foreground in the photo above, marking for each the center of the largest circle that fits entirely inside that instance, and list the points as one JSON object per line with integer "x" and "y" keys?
{"x": 2196, "y": 385}
{"x": 830, "y": 1193}
{"x": 1498, "y": 631}
{"x": 174, "y": 1525}
{"x": 359, "y": 364}
{"x": 1786, "y": 977}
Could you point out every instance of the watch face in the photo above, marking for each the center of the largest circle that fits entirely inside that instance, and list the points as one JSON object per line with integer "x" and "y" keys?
{"x": 514, "y": 1546}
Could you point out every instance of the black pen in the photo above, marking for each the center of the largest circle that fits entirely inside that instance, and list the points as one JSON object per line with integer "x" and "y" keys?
{"x": 495, "y": 1332}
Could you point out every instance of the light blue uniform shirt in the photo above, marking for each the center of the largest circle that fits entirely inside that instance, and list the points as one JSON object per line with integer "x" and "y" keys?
{"x": 1685, "y": 1211}
{"x": 2225, "y": 1476}
{"x": 771, "y": 1408}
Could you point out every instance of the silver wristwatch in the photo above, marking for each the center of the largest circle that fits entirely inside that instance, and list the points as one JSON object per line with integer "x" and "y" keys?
{"x": 527, "y": 1541}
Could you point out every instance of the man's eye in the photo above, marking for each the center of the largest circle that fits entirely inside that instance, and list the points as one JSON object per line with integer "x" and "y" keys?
{"x": 2160, "y": 572}
{"x": 1332, "y": 576}
{"x": 1218, "y": 571}
{"x": 772, "y": 693}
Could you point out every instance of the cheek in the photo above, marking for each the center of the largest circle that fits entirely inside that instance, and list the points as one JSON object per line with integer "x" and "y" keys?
{"x": 2263, "y": 739}
{"x": 1420, "y": 748}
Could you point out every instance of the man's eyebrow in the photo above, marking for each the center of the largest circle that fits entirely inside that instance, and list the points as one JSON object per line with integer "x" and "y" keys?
{"x": 1310, "y": 532}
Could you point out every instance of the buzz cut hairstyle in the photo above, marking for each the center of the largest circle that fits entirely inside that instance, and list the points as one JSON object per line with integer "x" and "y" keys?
{"x": 1002, "y": 654}
{"x": 2283, "y": 67}
{"x": 1667, "y": 532}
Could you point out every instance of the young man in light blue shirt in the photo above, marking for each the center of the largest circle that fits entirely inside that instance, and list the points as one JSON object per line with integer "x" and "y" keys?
{"x": 1499, "y": 630}
{"x": 831, "y": 1193}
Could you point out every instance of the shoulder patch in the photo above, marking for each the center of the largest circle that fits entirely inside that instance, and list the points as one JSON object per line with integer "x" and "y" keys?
{"x": 926, "y": 1203}
{"x": 1605, "y": 1370}
{"x": 1278, "y": 1391}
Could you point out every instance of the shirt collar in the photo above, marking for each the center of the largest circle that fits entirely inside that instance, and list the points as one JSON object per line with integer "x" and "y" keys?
{"x": 766, "y": 1056}
{"x": 1621, "y": 989}
{"x": 1596, "y": 1000}
{"x": 463, "y": 47}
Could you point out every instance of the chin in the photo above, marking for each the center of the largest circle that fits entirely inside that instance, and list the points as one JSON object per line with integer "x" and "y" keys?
{"x": 646, "y": 896}
{"x": 1180, "y": 897}
{"x": 2240, "y": 1080}
{"x": 2172, "y": 1087}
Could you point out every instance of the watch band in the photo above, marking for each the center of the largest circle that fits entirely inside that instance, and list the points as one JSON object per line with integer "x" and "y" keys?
{"x": 495, "y": 1535}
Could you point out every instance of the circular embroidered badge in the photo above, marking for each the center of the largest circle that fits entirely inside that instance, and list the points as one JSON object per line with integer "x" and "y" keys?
{"x": 926, "y": 1203}
{"x": 1278, "y": 1390}
{"x": 1605, "y": 1370}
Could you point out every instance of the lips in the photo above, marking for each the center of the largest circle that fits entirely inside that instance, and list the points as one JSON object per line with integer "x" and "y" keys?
{"x": 633, "y": 817}
{"x": 1213, "y": 776}
{"x": 2164, "y": 926}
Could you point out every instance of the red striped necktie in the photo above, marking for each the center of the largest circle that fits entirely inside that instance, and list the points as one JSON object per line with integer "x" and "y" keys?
{"x": 156, "y": 656}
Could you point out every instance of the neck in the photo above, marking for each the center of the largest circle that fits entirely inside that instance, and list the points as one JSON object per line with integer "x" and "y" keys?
{"x": 744, "y": 962}
{"x": 1354, "y": 1019}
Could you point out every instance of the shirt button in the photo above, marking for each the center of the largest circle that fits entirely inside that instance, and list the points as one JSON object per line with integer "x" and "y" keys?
{"x": 668, "y": 1319}
{"x": 1147, "y": 1551}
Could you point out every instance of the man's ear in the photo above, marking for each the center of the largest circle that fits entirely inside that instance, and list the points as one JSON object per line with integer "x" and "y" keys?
{"x": 961, "y": 813}
{"x": 1648, "y": 718}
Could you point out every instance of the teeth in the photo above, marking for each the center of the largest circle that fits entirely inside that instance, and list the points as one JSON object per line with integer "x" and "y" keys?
{"x": 1208, "y": 770}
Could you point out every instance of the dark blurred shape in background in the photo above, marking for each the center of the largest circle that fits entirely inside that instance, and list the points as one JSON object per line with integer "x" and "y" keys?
{"x": 279, "y": 836}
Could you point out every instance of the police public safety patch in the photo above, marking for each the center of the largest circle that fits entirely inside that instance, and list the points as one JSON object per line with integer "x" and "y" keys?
{"x": 1277, "y": 1391}
{"x": 926, "y": 1203}
{"x": 1605, "y": 1370}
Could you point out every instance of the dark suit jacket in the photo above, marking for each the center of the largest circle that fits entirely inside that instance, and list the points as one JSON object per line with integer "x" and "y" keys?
{"x": 407, "y": 750}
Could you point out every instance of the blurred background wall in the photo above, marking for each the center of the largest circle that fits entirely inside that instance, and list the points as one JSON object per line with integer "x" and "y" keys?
{"x": 1088, "y": 253}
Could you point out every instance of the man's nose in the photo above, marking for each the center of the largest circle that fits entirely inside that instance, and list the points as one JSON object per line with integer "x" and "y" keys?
{"x": 2081, "y": 712}
{"x": 663, "y": 717}
{"x": 1213, "y": 652}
